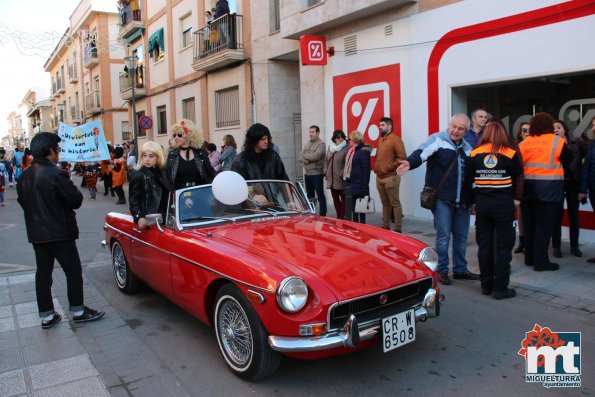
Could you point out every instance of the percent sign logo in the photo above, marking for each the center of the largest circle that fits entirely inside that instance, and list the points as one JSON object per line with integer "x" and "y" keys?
{"x": 315, "y": 50}
{"x": 353, "y": 108}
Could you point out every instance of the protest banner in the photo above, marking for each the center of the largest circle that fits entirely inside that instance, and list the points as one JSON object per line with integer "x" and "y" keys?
{"x": 84, "y": 142}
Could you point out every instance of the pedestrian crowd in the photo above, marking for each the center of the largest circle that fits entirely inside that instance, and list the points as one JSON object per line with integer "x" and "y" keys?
{"x": 473, "y": 167}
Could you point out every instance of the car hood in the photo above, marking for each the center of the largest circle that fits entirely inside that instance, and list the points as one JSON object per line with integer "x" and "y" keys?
{"x": 352, "y": 259}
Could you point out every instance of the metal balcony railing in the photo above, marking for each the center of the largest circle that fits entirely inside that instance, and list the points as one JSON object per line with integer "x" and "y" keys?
{"x": 72, "y": 73}
{"x": 92, "y": 101}
{"x": 90, "y": 53}
{"x": 127, "y": 16}
{"x": 126, "y": 81}
{"x": 221, "y": 34}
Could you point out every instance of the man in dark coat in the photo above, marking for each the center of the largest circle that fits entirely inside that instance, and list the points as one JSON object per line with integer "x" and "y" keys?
{"x": 258, "y": 160}
{"x": 49, "y": 198}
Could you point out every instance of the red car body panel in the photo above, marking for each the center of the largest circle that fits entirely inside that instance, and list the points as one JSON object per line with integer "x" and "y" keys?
{"x": 338, "y": 260}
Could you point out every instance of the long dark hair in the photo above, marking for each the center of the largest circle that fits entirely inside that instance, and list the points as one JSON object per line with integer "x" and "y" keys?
{"x": 253, "y": 135}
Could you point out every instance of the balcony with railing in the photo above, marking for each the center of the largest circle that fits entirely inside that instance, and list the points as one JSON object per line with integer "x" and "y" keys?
{"x": 60, "y": 88}
{"x": 72, "y": 72}
{"x": 93, "y": 102}
{"x": 219, "y": 43}
{"x": 76, "y": 115}
{"x": 139, "y": 84}
{"x": 131, "y": 22}
{"x": 90, "y": 57}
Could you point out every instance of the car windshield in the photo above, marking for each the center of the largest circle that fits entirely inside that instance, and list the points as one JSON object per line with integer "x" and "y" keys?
{"x": 198, "y": 206}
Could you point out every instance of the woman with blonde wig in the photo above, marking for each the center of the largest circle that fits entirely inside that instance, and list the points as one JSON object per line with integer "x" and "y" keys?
{"x": 149, "y": 187}
{"x": 187, "y": 165}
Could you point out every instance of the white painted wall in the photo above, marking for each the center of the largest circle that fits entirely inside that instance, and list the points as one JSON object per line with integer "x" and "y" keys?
{"x": 183, "y": 55}
{"x": 159, "y": 70}
{"x": 220, "y": 80}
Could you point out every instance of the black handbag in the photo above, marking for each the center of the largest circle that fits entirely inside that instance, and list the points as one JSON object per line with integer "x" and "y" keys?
{"x": 427, "y": 197}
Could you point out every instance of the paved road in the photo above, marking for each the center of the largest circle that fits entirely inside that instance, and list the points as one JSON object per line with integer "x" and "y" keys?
{"x": 147, "y": 346}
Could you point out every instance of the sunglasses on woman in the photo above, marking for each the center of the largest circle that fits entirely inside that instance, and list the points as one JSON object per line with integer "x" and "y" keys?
{"x": 524, "y": 130}
{"x": 179, "y": 135}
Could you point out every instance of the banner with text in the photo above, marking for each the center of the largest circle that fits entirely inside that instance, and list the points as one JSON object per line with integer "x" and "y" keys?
{"x": 84, "y": 142}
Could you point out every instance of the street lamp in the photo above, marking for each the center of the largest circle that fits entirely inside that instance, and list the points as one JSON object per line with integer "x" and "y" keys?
{"x": 131, "y": 62}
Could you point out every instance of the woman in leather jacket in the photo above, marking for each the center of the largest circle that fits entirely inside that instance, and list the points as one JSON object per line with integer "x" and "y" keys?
{"x": 149, "y": 187}
{"x": 186, "y": 164}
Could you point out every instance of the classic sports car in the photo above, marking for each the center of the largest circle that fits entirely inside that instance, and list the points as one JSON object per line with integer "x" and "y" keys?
{"x": 272, "y": 278}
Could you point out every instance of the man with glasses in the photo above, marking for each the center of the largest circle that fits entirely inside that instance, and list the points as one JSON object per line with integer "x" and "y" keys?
{"x": 451, "y": 213}
{"x": 49, "y": 198}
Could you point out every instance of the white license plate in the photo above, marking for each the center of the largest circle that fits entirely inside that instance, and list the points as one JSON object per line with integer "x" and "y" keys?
{"x": 398, "y": 330}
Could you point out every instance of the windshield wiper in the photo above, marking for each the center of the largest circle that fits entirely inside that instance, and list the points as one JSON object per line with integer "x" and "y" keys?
{"x": 207, "y": 218}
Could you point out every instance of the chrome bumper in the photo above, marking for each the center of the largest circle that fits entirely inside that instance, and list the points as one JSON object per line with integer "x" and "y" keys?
{"x": 352, "y": 333}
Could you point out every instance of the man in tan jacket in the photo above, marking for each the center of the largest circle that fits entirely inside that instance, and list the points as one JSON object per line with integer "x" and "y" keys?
{"x": 390, "y": 150}
{"x": 312, "y": 157}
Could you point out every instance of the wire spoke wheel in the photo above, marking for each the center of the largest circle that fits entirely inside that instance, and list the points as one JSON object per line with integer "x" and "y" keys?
{"x": 242, "y": 339}
{"x": 119, "y": 265}
{"x": 125, "y": 280}
{"x": 236, "y": 334}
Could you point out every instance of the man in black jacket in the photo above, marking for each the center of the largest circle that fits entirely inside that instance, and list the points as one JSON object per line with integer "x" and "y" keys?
{"x": 49, "y": 198}
{"x": 258, "y": 160}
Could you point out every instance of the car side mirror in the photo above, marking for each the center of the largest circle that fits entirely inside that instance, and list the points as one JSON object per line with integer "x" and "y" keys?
{"x": 154, "y": 219}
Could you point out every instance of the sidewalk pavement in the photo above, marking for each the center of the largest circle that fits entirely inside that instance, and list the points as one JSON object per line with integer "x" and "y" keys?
{"x": 107, "y": 358}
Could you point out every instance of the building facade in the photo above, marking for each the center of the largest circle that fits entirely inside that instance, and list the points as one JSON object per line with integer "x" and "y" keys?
{"x": 183, "y": 71}
{"x": 419, "y": 62}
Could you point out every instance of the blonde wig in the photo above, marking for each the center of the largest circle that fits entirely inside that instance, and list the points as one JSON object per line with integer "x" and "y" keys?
{"x": 156, "y": 149}
{"x": 190, "y": 131}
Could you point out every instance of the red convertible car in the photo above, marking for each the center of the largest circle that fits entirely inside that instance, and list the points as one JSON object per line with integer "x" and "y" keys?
{"x": 273, "y": 279}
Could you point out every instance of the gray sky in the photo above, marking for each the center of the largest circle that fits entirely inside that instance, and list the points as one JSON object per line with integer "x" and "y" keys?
{"x": 29, "y": 31}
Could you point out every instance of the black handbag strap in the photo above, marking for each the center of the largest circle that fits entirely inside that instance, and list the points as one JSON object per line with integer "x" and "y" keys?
{"x": 452, "y": 163}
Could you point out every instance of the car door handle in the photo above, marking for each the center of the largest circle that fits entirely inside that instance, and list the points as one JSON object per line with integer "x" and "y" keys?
{"x": 136, "y": 230}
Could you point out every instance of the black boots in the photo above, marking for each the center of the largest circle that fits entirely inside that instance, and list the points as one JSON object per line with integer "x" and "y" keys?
{"x": 521, "y": 247}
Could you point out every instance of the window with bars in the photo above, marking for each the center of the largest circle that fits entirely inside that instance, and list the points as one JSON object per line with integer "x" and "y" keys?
{"x": 161, "y": 120}
{"x": 126, "y": 136}
{"x": 227, "y": 107}
{"x": 188, "y": 107}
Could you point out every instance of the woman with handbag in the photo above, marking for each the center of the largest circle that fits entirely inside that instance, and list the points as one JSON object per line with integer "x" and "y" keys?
{"x": 357, "y": 172}
{"x": 334, "y": 165}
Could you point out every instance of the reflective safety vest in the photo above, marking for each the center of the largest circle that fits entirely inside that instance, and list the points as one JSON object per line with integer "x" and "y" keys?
{"x": 544, "y": 174}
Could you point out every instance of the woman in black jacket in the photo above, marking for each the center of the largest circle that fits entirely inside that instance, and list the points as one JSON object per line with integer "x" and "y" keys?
{"x": 187, "y": 165}
{"x": 357, "y": 171}
{"x": 149, "y": 187}
{"x": 572, "y": 182}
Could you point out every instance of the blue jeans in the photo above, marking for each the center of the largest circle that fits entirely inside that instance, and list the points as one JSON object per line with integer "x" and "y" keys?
{"x": 448, "y": 220}
{"x": 315, "y": 183}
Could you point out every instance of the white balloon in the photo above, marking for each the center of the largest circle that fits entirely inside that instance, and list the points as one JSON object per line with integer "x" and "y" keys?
{"x": 230, "y": 188}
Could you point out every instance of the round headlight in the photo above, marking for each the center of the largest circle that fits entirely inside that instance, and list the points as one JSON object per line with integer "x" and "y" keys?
{"x": 429, "y": 257}
{"x": 292, "y": 294}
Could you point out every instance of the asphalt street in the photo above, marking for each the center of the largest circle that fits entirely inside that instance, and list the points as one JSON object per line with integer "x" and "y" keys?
{"x": 470, "y": 350}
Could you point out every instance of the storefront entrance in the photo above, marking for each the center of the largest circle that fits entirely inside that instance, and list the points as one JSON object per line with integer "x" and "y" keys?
{"x": 568, "y": 97}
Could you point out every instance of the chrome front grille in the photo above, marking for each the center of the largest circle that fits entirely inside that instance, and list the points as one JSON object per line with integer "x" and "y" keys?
{"x": 370, "y": 307}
